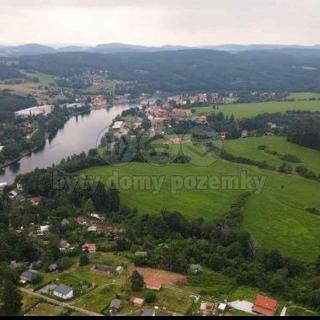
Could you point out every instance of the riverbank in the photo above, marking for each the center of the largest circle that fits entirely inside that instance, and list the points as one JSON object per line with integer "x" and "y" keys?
{"x": 79, "y": 134}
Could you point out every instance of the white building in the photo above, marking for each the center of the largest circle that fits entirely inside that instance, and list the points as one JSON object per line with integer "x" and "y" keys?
{"x": 43, "y": 230}
{"x": 117, "y": 125}
{"x": 72, "y": 105}
{"x": 3, "y": 184}
{"x": 12, "y": 194}
{"x": 34, "y": 111}
{"x": 63, "y": 292}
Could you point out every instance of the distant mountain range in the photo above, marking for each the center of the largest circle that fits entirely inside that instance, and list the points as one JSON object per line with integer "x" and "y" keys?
{"x": 36, "y": 49}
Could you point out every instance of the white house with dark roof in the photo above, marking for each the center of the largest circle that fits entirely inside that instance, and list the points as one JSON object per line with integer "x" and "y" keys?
{"x": 63, "y": 292}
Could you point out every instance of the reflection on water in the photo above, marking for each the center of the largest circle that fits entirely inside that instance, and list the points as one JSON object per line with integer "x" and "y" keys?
{"x": 81, "y": 133}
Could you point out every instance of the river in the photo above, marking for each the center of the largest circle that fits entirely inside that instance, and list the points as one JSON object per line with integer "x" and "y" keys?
{"x": 80, "y": 133}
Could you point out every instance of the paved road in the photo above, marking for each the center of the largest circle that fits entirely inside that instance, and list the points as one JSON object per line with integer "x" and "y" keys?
{"x": 61, "y": 304}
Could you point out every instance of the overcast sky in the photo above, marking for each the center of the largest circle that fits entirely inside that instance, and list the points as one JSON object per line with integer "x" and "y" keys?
{"x": 150, "y": 22}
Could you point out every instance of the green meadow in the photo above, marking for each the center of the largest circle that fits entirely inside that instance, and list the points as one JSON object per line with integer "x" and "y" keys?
{"x": 276, "y": 217}
{"x": 248, "y": 148}
{"x": 304, "y": 95}
{"x": 248, "y": 110}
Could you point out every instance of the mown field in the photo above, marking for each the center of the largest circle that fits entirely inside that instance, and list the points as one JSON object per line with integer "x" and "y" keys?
{"x": 304, "y": 95}
{"x": 276, "y": 217}
{"x": 247, "y": 110}
{"x": 248, "y": 148}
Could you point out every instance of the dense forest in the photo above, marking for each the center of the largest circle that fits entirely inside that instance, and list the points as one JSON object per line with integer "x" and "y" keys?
{"x": 9, "y": 103}
{"x": 185, "y": 70}
{"x": 7, "y": 72}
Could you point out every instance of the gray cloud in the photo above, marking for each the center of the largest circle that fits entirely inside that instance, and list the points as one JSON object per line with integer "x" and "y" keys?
{"x": 190, "y": 22}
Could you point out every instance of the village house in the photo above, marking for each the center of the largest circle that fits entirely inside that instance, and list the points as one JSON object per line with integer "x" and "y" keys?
{"x": 75, "y": 105}
{"x": 222, "y": 135}
{"x": 82, "y": 221}
{"x": 174, "y": 141}
{"x": 195, "y": 268}
{"x": 3, "y": 185}
{"x": 15, "y": 265}
{"x": 12, "y": 194}
{"x": 141, "y": 254}
{"x": 92, "y": 229}
{"x": 65, "y": 222}
{"x": 89, "y": 247}
{"x": 244, "y": 133}
{"x": 156, "y": 112}
{"x": 28, "y": 276}
{"x": 137, "y": 302}
{"x": 201, "y": 97}
{"x": 118, "y": 125}
{"x": 200, "y": 119}
{"x": 97, "y": 216}
{"x": 99, "y": 101}
{"x": 64, "y": 246}
{"x": 35, "y": 201}
{"x": 222, "y": 307}
{"x": 63, "y": 292}
{"x": 148, "y": 313}
{"x": 109, "y": 270}
{"x": 207, "y": 308}
{"x": 115, "y": 306}
{"x": 53, "y": 267}
{"x": 181, "y": 113}
{"x": 177, "y": 100}
{"x": 43, "y": 230}
{"x": 153, "y": 284}
{"x": 265, "y": 306}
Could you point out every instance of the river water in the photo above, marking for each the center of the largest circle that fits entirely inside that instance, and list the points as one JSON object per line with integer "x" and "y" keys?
{"x": 80, "y": 133}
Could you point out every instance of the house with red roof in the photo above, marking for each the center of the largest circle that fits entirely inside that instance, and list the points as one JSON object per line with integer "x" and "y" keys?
{"x": 35, "y": 200}
{"x": 89, "y": 247}
{"x": 153, "y": 284}
{"x": 265, "y": 306}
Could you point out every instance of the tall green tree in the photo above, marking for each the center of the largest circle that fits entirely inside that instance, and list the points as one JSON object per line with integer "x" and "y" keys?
{"x": 137, "y": 281}
{"x": 12, "y": 300}
{"x": 100, "y": 197}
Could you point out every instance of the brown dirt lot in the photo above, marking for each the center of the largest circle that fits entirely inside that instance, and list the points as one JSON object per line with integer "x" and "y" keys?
{"x": 165, "y": 277}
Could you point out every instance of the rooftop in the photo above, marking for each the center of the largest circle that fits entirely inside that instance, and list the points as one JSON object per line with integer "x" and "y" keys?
{"x": 63, "y": 289}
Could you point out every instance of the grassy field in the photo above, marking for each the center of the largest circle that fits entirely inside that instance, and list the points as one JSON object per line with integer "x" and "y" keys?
{"x": 304, "y": 95}
{"x": 248, "y": 148}
{"x": 28, "y": 301}
{"x": 44, "y": 79}
{"x": 247, "y": 110}
{"x": 276, "y": 217}
{"x": 45, "y": 309}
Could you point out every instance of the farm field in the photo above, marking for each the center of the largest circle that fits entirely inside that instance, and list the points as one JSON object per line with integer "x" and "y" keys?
{"x": 304, "y": 95}
{"x": 248, "y": 110}
{"x": 282, "y": 222}
{"x": 45, "y": 309}
{"x": 248, "y": 148}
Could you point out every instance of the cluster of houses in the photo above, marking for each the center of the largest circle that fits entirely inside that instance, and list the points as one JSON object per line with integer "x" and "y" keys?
{"x": 161, "y": 116}
{"x": 99, "y": 101}
{"x": 60, "y": 291}
{"x": 182, "y": 100}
